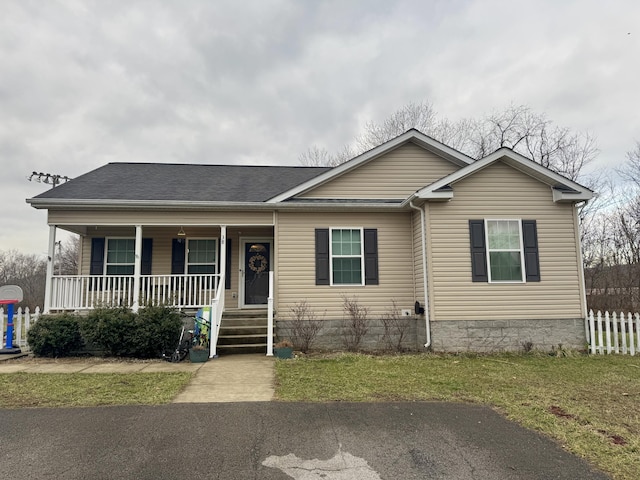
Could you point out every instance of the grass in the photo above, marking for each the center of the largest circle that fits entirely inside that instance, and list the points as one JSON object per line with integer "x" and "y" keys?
{"x": 590, "y": 405}
{"x": 23, "y": 390}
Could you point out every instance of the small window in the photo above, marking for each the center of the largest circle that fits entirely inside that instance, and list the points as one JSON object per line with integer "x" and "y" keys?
{"x": 202, "y": 255}
{"x": 120, "y": 256}
{"x": 504, "y": 250}
{"x": 346, "y": 252}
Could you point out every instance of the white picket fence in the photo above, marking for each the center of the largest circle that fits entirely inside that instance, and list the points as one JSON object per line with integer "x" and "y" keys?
{"x": 22, "y": 320}
{"x": 614, "y": 333}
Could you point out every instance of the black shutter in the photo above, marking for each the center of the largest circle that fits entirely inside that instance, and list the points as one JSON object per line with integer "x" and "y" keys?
{"x": 147, "y": 249}
{"x": 478, "y": 251}
{"x": 97, "y": 256}
{"x": 531, "y": 257}
{"x": 370, "y": 256}
{"x": 322, "y": 256}
{"x": 178, "y": 251}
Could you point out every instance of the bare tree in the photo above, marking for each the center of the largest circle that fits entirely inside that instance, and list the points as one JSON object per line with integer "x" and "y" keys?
{"x": 517, "y": 127}
{"x": 28, "y": 272}
{"x": 612, "y": 244}
{"x": 68, "y": 257}
{"x": 420, "y": 116}
{"x": 630, "y": 171}
{"x": 320, "y": 157}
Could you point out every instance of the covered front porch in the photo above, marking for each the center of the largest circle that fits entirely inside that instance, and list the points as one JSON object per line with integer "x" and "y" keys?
{"x": 184, "y": 266}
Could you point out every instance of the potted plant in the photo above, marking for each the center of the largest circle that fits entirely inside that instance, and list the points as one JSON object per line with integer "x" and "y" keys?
{"x": 283, "y": 349}
{"x": 199, "y": 352}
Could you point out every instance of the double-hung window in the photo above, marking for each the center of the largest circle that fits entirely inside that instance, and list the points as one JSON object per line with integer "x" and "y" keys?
{"x": 202, "y": 256}
{"x": 120, "y": 256}
{"x": 347, "y": 256}
{"x": 504, "y": 250}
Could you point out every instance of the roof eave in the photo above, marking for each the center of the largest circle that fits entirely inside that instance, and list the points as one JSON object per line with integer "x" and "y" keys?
{"x": 75, "y": 204}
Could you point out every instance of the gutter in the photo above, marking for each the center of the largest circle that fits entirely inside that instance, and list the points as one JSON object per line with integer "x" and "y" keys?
{"x": 200, "y": 205}
{"x": 424, "y": 272}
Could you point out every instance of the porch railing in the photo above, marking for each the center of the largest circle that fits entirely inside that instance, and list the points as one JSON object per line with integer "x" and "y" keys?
{"x": 84, "y": 292}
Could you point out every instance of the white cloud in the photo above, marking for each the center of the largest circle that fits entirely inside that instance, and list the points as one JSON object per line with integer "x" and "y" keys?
{"x": 85, "y": 83}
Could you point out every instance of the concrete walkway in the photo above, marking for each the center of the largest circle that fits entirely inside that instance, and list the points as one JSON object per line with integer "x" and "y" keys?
{"x": 233, "y": 378}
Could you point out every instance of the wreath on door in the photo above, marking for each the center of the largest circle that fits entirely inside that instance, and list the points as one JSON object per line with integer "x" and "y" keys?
{"x": 258, "y": 263}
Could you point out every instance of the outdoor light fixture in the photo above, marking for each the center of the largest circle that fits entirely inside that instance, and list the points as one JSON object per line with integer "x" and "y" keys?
{"x": 181, "y": 232}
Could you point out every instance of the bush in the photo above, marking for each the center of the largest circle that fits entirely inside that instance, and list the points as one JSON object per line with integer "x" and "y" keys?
{"x": 109, "y": 329}
{"x": 55, "y": 336}
{"x": 120, "y": 332}
{"x": 157, "y": 330}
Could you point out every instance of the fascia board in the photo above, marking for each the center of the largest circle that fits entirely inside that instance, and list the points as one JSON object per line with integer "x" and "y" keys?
{"x": 146, "y": 205}
{"x": 412, "y": 135}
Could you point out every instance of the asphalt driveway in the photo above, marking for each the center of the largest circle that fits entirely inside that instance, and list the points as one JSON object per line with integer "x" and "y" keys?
{"x": 336, "y": 441}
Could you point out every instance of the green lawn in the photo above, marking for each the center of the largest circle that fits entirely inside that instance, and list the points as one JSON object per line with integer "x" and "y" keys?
{"x": 20, "y": 390}
{"x": 590, "y": 405}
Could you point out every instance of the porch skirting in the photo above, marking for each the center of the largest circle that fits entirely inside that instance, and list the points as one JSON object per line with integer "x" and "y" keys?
{"x": 482, "y": 336}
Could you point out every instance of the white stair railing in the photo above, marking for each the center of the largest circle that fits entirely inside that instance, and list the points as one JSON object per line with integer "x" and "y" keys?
{"x": 217, "y": 309}
{"x": 270, "y": 317}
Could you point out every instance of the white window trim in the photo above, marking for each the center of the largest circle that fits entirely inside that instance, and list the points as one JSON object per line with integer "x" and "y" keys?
{"x": 362, "y": 280}
{"x": 106, "y": 256}
{"x": 215, "y": 263}
{"x": 520, "y": 244}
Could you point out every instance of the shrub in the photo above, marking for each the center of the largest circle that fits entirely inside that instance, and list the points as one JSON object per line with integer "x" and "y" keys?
{"x": 355, "y": 324}
{"x": 121, "y": 333}
{"x": 305, "y": 325}
{"x": 109, "y": 329}
{"x": 156, "y": 330}
{"x": 396, "y": 328}
{"x": 55, "y": 336}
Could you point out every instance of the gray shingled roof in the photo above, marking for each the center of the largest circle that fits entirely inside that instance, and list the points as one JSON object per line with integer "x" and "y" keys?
{"x": 174, "y": 182}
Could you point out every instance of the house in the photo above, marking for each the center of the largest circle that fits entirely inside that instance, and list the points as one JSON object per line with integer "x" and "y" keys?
{"x": 480, "y": 255}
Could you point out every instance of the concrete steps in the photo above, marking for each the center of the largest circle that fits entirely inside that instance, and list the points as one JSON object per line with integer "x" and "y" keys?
{"x": 243, "y": 331}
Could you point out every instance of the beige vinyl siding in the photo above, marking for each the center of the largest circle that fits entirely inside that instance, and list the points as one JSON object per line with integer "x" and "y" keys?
{"x": 418, "y": 268}
{"x": 295, "y": 247}
{"x": 162, "y": 242}
{"x": 501, "y": 192}
{"x": 158, "y": 217}
{"x": 392, "y": 176}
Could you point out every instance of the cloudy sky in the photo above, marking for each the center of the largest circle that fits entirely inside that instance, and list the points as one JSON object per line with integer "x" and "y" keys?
{"x": 83, "y": 83}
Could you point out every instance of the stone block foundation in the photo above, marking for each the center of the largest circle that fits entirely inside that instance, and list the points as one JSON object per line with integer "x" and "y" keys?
{"x": 481, "y": 336}
{"x": 485, "y": 336}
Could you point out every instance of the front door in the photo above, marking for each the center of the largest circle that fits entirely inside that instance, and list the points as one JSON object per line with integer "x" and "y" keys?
{"x": 256, "y": 266}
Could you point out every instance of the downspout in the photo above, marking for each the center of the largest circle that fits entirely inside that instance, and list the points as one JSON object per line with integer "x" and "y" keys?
{"x": 424, "y": 272}
{"x": 583, "y": 286}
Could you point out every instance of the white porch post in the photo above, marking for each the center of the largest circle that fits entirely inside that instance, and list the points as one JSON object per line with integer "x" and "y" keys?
{"x": 223, "y": 256}
{"x": 137, "y": 269}
{"x": 50, "y": 262}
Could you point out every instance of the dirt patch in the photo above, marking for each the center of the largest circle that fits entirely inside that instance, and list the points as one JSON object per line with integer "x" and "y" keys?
{"x": 559, "y": 412}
